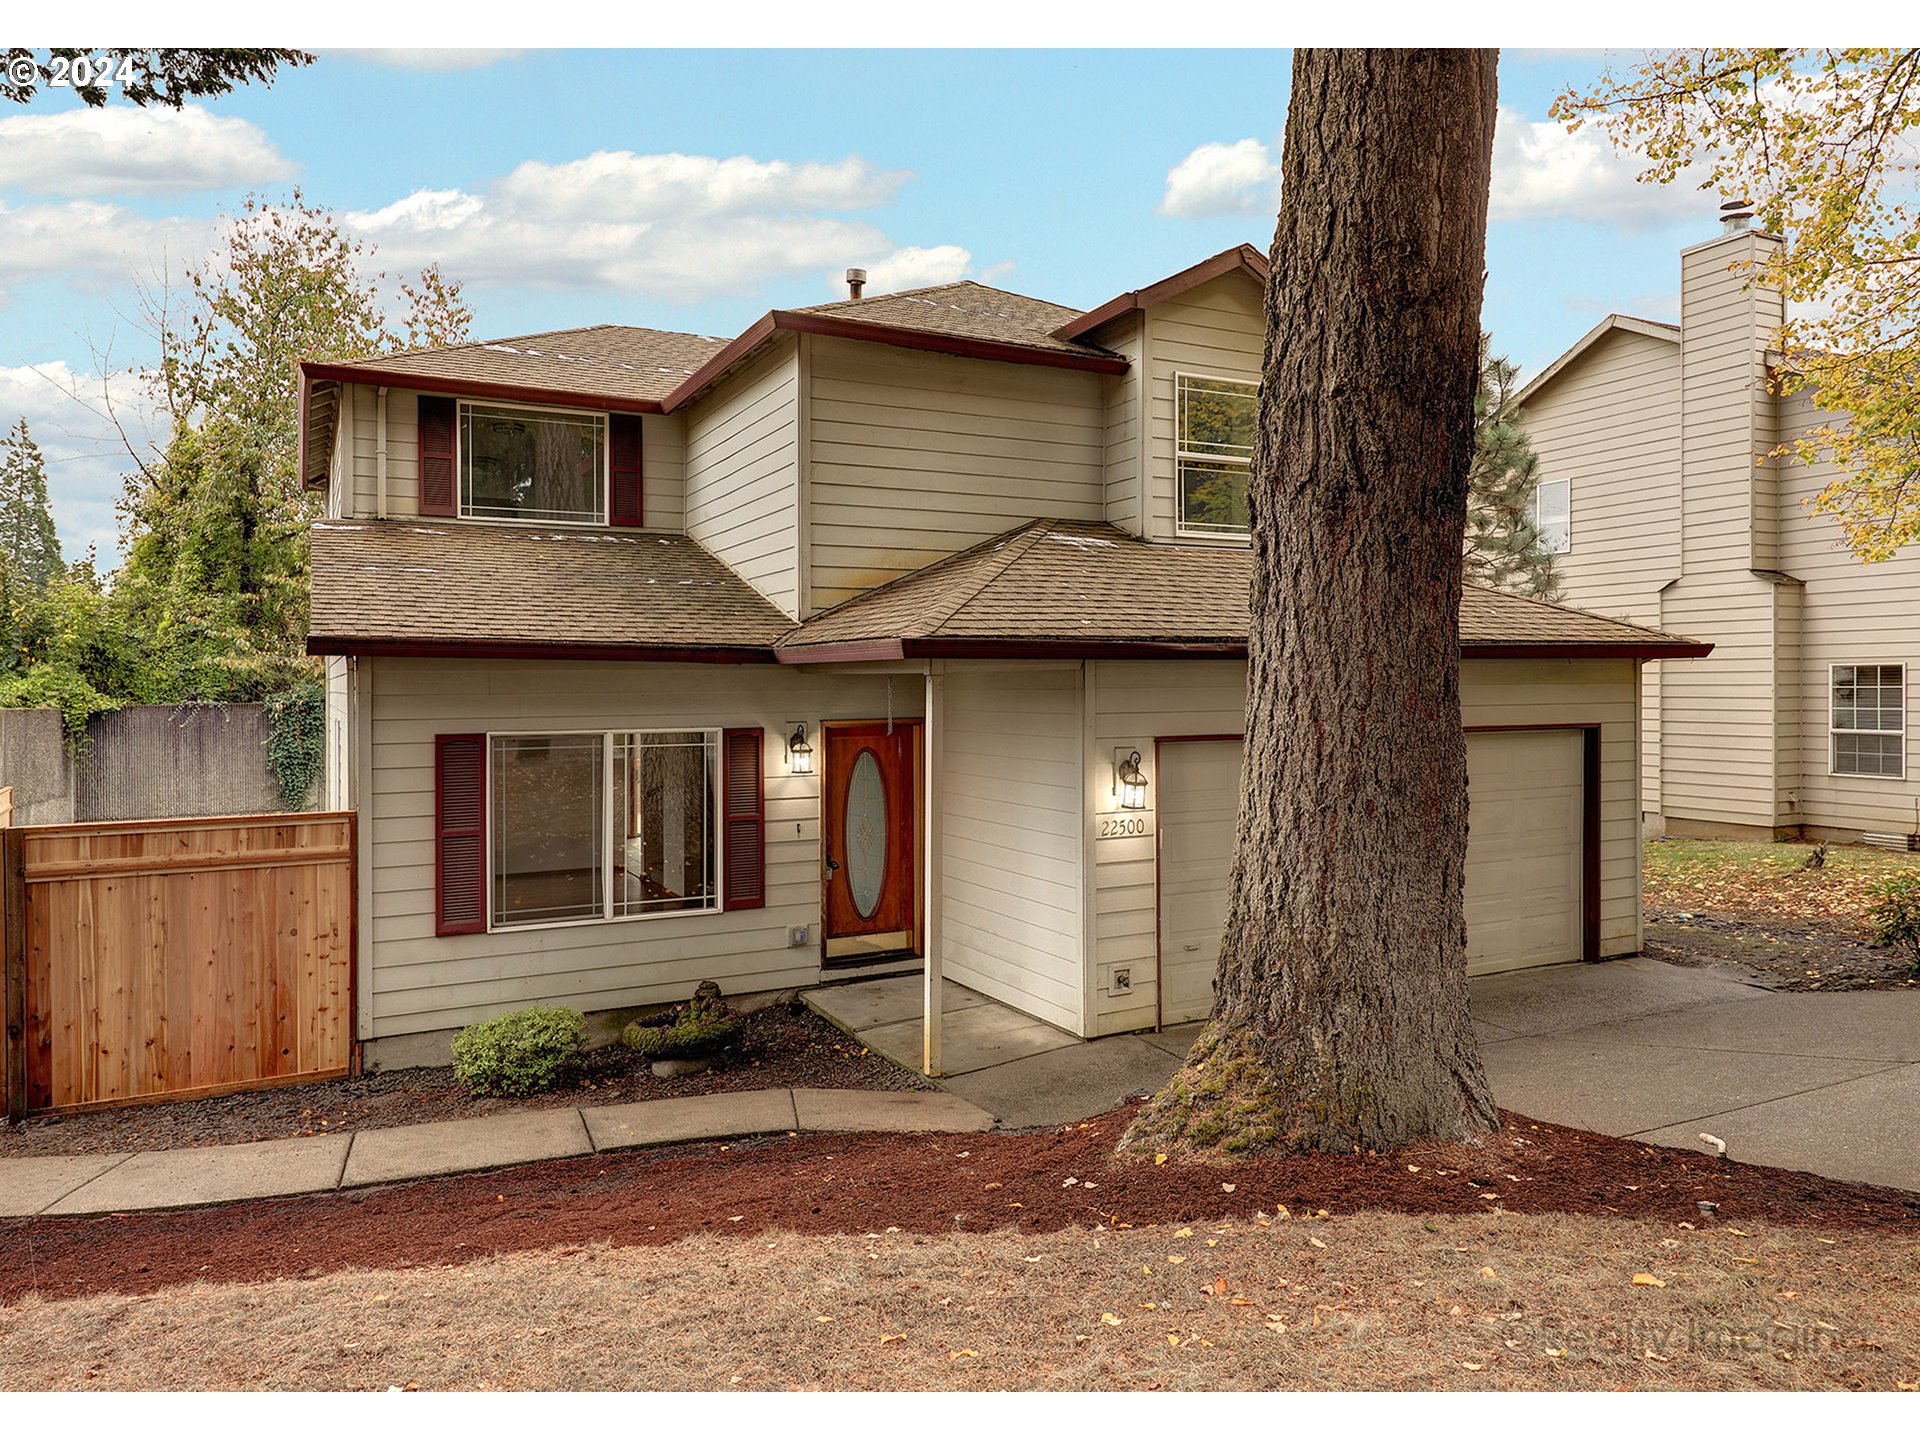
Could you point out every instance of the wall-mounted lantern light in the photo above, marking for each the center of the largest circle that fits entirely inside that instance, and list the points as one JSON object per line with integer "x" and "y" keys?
{"x": 1129, "y": 783}
{"x": 799, "y": 752}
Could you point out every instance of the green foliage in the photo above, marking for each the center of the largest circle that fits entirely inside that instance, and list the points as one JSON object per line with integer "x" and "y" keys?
{"x": 59, "y": 687}
{"x": 28, "y": 543}
{"x": 1503, "y": 546}
{"x": 520, "y": 1053}
{"x": 296, "y": 740}
{"x": 1895, "y": 914}
{"x": 167, "y": 76}
{"x": 703, "y": 1026}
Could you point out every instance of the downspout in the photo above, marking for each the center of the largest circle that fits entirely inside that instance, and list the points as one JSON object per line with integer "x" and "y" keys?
{"x": 380, "y": 450}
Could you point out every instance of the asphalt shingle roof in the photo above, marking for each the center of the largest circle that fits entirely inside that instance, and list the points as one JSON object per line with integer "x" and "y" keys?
{"x": 966, "y": 310}
{"x": 619, "y": 361}
{"x": 415, "y": 583}
{"x": 1061, "y": 581}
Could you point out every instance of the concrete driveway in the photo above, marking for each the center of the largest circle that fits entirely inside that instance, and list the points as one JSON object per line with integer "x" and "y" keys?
{"x": 1823, "y": 1082}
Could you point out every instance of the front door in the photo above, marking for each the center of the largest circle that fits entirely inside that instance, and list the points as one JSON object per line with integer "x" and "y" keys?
{"x": 870, "y": 781}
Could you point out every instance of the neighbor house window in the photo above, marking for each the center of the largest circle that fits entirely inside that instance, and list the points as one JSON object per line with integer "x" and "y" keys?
{"x": 524, "y": 464}
{"x": 1552, "y": 515}
{"x": 604, "y": 826}
{"x": 1216, "y": 420}
{"x": 1869, "y": 720}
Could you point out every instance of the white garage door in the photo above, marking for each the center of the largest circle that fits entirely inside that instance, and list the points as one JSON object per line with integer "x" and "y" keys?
{"x": 1523, "y": 857}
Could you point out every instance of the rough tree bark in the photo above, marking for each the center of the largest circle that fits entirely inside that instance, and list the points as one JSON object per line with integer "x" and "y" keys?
{"x": 1340, "y": 1014}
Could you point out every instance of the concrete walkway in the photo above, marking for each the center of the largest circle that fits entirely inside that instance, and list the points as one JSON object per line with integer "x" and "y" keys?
{"x": 215, "y": 1174}
{"x": 1824, "y": 1083}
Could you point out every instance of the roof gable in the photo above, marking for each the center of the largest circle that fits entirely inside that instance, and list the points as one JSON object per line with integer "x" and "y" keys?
{"x": 1612, "y": 325}
{"x": 1241, "y": 259}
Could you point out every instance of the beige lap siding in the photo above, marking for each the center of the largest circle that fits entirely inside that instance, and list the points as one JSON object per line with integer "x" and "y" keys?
{"x": 421, "y": 982}
{"x": 1011, "y": 837}
{"x": 913, "y": 457}
{"x": 743, "y": 474}
{"x": 1132, "y": 702}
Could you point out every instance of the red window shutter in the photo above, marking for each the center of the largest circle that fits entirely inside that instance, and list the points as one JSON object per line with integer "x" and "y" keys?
{"x": 744, "y": 814}
{"x": 623, "y": 445}
{"x": 460, "y": 834}
{"x": 437, "y": 486}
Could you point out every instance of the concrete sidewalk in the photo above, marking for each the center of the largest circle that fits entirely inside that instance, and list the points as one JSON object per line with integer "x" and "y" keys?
{"x": 216, "y": 1174}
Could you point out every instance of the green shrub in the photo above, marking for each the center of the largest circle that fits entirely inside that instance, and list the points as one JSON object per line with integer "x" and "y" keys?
{"x": 1895, "y": 914}
{"x": 701, "y": 1027}
{"x": 520, "y": 1053}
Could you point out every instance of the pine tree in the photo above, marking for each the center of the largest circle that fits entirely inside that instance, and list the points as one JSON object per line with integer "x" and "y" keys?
{"x": 1503, "y": 545}
{"x": 27, "y": 536}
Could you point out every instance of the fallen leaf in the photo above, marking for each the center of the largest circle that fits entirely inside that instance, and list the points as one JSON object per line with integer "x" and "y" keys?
{"x": 1487, "y": 1270}
{"x": 889, "y": 1339}
{"x": 1183, "y": 1232}
{"x": 1645, "y": 1279}
{"x": 1471, "y": 1365}
{"x": 1111, "y": 1319}
{"x": 1159, "y": 1159}
{"x": 962, "y": 1354}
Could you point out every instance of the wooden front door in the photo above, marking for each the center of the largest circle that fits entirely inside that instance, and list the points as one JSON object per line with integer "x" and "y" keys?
{"x": 871, "y": 783}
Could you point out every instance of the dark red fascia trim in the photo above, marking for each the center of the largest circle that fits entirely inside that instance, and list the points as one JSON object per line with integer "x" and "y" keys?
{"x": 939, "y": 648}
{"x": 482, "y": 389}
{"x": 1241, "y": 257}
{"x": 1622, "y": 650}
{"x": 837, "y": 327}
{"x": 539, "y": 650}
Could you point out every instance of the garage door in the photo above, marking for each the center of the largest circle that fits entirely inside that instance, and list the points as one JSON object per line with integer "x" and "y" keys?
{"x": 1523, "y": 857}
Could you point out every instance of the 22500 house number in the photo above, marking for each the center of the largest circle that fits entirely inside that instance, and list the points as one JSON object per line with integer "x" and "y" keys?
{"x": 1123, "y": 825}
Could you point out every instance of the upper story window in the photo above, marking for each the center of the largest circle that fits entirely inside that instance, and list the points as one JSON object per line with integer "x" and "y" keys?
{"x": 1552, "y": 515}
{"x": 1868, "y": 720}
{"x": 518, "y": 463}
{"x": 1214, "y": 449}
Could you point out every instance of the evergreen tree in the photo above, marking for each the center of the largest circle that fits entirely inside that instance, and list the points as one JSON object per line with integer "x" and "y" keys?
{"x": 27, "y": 537}
{"x": 1503, "y": 545}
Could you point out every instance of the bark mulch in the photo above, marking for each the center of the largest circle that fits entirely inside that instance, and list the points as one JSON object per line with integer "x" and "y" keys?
{"x": 1040, "y": 1181}
{"x": 783, "y": 1046}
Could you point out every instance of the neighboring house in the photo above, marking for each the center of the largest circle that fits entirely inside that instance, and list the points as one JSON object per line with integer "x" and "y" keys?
{"x": 907, "y": 626}
{"x": 1666, "y": 510}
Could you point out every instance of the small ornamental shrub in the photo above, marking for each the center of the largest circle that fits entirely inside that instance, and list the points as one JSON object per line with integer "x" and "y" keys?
{"x": 521, "y": 1053}
{"x": 701, "y": 1027}
{"x": 1895, "y": 914}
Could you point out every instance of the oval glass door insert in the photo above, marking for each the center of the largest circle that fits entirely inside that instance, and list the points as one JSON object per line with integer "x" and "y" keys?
{"x": 866, "y": 833}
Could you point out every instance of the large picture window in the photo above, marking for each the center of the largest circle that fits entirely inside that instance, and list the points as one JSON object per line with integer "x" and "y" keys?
{"x": 1216, "y": 420}
{"x": 523, "y": 464}
{"x": 1868, "y": 720}
{"x": 604, "y": 826}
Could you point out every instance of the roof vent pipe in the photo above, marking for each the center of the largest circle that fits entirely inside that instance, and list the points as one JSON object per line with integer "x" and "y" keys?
{"x": 856, "y": 282}
{"x": 1735, "y": 216}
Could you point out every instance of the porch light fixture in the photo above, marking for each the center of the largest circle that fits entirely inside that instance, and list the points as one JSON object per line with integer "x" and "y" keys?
{"x": 799, "y": 752}
{"x": 1129, "y": 783}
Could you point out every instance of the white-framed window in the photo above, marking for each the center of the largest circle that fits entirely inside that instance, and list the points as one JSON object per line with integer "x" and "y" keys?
{"x": 1214, "y": 422}
{"x": 1867, "y": 720}
{"x": 1552, "y": 515}
{"x": 519, "y": 462}
{"x": 588, "y": 826}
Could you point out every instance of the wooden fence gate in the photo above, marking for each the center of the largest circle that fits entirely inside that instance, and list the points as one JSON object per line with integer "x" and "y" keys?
{"x": 165, "y": 959}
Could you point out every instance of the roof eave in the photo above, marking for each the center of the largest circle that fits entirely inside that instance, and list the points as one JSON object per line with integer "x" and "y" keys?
{"x": 358, "y": 374}
{"x": 426, "y": 649}
{"x": 1675, "y": 649}
{"x": 1241, "y": 257}
{"x": 943, "y": 647}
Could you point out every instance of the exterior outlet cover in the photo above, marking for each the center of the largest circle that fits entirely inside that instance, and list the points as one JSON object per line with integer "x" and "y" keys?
{"x": 797, "y": 936}
{"x": 1121, "y": 982}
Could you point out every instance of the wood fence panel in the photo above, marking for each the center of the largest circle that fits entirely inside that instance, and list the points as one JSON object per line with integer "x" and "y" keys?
{"x": 166, "y": 959}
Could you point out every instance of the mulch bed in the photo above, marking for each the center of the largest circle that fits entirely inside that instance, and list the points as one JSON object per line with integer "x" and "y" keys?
{"x": 1781, "y": 952}
{"x": 783, "y": 1046}
{"x": 921, "y": 1184}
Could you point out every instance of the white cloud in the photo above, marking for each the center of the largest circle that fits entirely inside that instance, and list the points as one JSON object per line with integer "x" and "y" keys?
{"x": 1220, "y": 179}
{"x": 89, "y": 241}
{"x": 1541, "y": 171}
{"x": 67, "y": 412}
{"x": 911, "y": 267}
{"x": 127, "y": 150}
{"x": 675, "y": 227}
{"x": 417, "y": 59}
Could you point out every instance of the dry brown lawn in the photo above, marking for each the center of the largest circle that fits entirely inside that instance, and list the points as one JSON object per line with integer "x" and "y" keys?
{"x": 1351, "y": 1302}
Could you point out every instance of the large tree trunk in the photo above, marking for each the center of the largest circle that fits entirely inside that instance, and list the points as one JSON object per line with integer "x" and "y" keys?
{"x": 1340, "y": 1019}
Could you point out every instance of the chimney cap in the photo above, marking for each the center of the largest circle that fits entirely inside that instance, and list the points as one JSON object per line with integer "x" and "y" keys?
{"x": 1736, "y": 216}
{"x": 856, "y": 281}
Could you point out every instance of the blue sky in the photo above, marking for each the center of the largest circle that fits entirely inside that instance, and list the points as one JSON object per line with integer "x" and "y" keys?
{"x": 572, "y": 188}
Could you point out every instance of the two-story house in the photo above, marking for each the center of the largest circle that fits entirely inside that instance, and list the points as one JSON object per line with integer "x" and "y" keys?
{"x": 1668, "y": 508}
{"x": 906, "y": 630}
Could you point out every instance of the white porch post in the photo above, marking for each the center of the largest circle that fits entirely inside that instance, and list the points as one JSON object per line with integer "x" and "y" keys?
{"x": 930, "y": 868}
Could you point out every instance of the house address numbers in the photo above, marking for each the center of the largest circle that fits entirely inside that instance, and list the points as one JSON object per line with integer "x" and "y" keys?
{"x": 1122, "y": 824}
